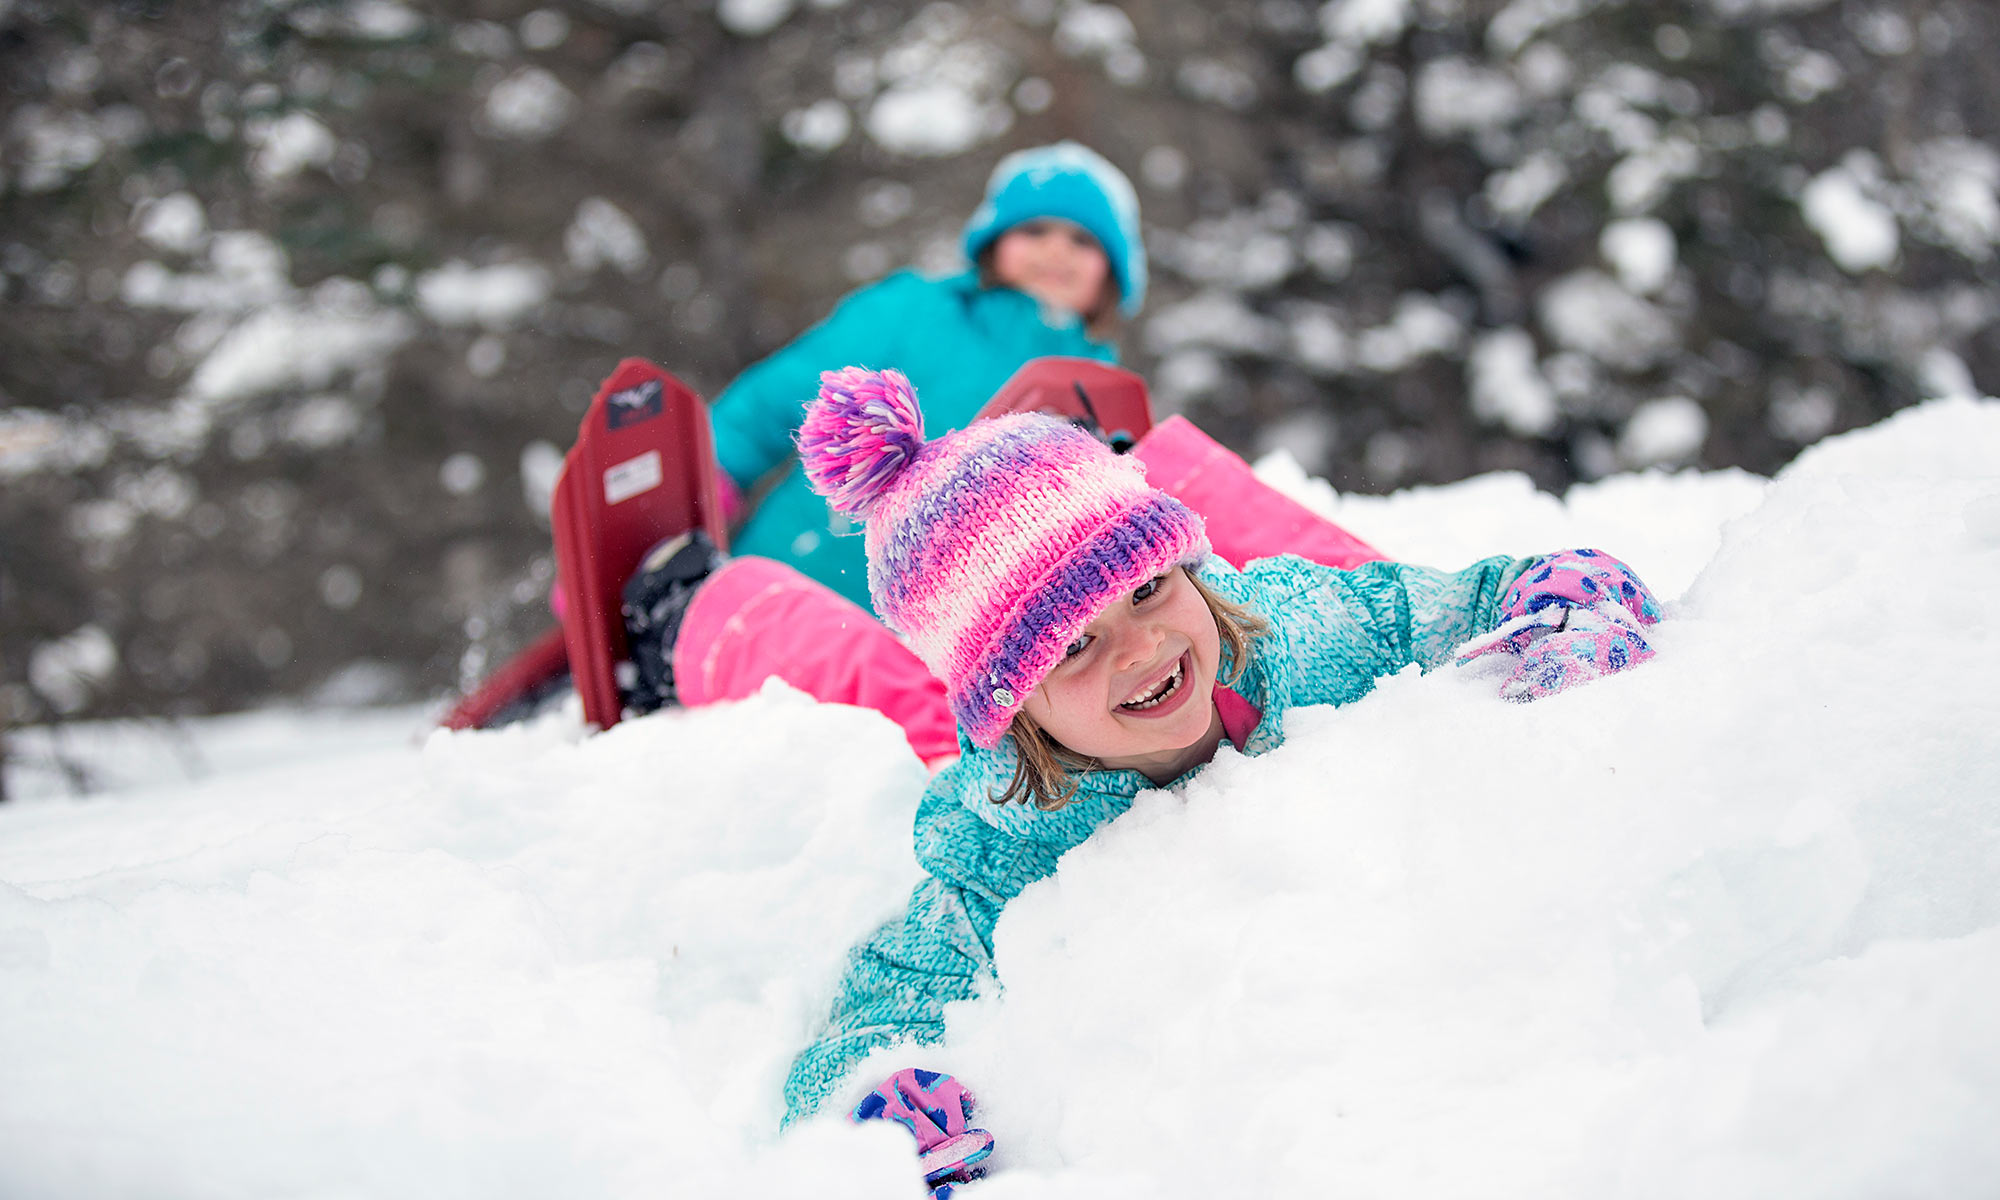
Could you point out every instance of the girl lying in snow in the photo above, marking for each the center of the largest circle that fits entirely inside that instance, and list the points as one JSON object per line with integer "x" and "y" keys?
{"x": 1089, "y": 647}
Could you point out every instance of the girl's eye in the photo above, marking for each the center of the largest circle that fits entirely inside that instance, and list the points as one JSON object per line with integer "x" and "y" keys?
{"x": 1146, "y": 590}
{"x": 1078, "y": 646}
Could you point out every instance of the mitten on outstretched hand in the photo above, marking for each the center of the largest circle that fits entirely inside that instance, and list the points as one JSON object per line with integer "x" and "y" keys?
{"x": 1570, "y": 618}
{"x": 936, "y": 1110}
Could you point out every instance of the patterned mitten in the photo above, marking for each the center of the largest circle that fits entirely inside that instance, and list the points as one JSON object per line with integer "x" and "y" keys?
{"x": 1570, "y": 618}
{"x": 935, "y": 1109}
{"x": 1580, "y": 579}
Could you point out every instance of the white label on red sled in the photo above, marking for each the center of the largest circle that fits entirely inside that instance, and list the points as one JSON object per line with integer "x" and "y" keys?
{"x": 633, "y": 476}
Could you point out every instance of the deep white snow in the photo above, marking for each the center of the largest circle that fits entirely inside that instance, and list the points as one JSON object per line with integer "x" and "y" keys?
{"x": 1724, "y": 926}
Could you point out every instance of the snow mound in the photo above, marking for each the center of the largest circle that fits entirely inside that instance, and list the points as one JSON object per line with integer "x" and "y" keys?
{"x": 1721, "y": 926}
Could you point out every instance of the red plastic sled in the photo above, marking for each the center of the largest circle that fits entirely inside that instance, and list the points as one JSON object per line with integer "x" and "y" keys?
{"x": 532, "y": 673}
{"x": 1246, "y": 518}
{"x": 642, "y": 469}
{"x": 1085, "y": 390}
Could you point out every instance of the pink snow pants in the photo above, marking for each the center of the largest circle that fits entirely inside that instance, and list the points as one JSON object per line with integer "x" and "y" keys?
{"x": 756, "y": 617}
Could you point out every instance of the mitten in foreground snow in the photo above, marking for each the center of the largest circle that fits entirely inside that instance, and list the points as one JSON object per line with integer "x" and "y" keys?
{"x": 936, "y": 1110}
{"x": 1571, "y": 618}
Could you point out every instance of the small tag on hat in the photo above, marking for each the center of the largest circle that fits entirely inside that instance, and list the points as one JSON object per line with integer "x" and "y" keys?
{"x": 1003, "y": 697}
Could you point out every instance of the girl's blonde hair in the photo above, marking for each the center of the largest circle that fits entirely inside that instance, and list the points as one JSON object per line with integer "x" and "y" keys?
{"x": 1048, "y": 770}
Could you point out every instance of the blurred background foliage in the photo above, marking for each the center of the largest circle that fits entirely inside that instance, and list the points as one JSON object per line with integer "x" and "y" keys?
{"x": 302, "y": 301}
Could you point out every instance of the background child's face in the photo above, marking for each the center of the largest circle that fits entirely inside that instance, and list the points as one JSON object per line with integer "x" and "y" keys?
{"x": 1138, "y": 688}
{"x": 1054, "y": 261}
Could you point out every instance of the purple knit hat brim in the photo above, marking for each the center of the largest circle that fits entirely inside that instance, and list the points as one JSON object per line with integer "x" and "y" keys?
{"x": 1135, "y": 543}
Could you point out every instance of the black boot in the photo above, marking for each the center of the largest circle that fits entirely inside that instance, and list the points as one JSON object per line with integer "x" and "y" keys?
{"x": 655, "y": 600}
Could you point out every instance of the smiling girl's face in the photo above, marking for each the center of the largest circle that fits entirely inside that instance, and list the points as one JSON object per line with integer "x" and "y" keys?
{"x": 1056, "y": 262}
{"x": 1136, "y": 690}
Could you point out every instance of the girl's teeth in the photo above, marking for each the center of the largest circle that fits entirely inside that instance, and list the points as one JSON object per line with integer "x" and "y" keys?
{"x": 1167, "y": 687}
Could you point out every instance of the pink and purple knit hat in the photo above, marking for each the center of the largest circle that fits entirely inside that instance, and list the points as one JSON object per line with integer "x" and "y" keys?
{"x": 990, "y": 548}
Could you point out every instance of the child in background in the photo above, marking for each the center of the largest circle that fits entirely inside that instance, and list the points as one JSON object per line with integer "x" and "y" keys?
{"x": 1090, "y": 647}
{"x": 1056, "y": 256}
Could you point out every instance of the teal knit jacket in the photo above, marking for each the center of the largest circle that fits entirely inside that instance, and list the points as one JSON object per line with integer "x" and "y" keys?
{"x": 1333, "y": 633}
{"x": 955, "y": 339}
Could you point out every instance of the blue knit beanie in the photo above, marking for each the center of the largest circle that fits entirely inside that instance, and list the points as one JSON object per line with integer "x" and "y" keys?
{"x": 1074, "y": 182}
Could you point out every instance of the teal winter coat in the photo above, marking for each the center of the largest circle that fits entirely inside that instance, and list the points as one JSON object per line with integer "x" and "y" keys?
{"x": 1333, "y": 633}
{"x": 956, "y": 340}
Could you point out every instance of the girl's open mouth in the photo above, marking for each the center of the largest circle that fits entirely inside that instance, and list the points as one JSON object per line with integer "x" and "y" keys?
{"x": 1161, "y": 693}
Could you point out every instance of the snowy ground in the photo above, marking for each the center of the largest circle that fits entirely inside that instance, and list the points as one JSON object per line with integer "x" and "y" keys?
{"x": 1724, "y": 926}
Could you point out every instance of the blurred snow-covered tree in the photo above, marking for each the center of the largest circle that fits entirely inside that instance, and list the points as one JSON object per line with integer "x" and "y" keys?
{"x": 302, "y": 299}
